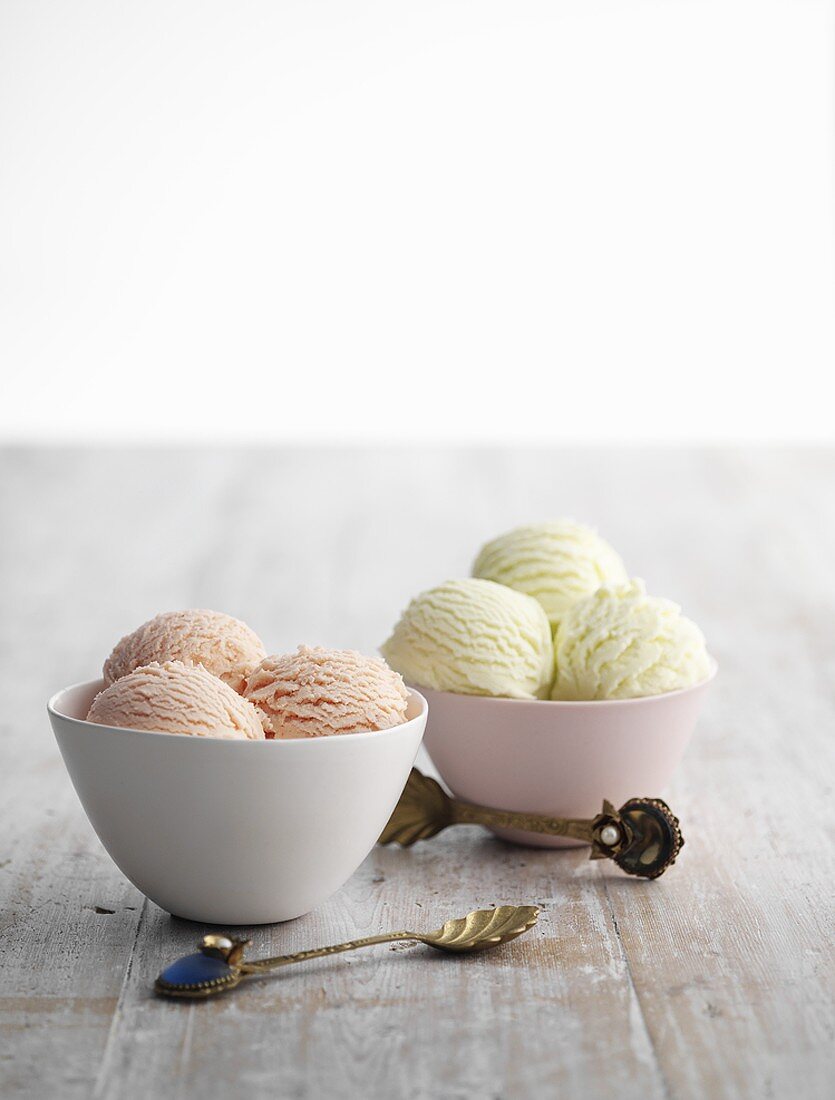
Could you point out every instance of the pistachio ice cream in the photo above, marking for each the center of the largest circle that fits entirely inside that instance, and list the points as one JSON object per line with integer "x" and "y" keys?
{"x": 556, "y": 563}
{"x": 474, "y": 637}
{"x": 621, "y": 643}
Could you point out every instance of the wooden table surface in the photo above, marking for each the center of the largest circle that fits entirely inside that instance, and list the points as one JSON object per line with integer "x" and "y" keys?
{"x": 715, "y": 981}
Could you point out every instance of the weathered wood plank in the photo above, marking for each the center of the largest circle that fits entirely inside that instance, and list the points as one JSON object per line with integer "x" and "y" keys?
{"x": 346, "y": 1025}
{"x": 714, "y": 981}
{"x": 735, "y": 975}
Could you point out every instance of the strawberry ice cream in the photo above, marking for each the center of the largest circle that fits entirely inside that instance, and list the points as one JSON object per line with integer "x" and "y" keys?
{"x": 176, "y": 698}
{"x": 317, "y": 692}
{"x": 224, "y": 646}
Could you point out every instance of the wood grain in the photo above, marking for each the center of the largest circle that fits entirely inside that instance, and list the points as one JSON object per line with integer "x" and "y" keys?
{"x": 715, "y": 981}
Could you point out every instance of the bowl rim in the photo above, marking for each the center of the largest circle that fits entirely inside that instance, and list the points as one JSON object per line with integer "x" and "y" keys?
{"x": 646, "y": 700}
{"x": 363, "y": 735}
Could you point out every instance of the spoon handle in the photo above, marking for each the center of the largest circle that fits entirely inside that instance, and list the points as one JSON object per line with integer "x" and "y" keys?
{"x": 466, "y": 813}
{"x": 258, "y": 966}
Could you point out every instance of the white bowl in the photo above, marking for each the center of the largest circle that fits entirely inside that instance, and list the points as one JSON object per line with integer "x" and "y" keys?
{"x": 559, "y": 758}
{"x": 234, "y": 832}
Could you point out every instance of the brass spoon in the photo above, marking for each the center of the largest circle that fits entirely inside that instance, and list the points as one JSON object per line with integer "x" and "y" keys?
{"x": 643, "y": 837}
{"x": 219, "y": 965}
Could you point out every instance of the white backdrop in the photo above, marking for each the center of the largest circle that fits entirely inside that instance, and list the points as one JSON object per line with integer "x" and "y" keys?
{"x": 541, "y": 220}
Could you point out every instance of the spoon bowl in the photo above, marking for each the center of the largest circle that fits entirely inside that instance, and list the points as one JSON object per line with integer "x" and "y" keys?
{"x": 483, "y": 928}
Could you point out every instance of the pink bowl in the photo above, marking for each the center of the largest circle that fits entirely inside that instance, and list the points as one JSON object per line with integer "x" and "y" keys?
{"x": 559, "y": 758}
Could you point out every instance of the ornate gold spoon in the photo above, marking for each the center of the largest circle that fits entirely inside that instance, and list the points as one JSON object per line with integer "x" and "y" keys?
{"x": 643, "y": 837}
{"x": 219, "y": 965}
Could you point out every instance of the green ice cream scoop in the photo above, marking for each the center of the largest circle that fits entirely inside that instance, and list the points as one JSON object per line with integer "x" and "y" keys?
{"x": 474, "y": 637}
{"x": 557, "y": 563}
{"x": 621, "y": 643}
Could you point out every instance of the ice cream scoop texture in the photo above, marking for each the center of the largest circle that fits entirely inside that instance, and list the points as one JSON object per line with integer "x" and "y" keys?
{"x": 317, "y": 692}
{"x": 224, "y": 646}
{"x": 557, "y": 563}
{"x": 621, "y": 643}
{"x": 474, "y": 637}
{"x": 176, "y": 698}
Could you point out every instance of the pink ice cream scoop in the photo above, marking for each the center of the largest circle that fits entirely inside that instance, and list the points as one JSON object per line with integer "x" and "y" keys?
{"x": 316, "y": 692}
{"x": 176, "y": 698}
{"x": 224, "y": 646}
